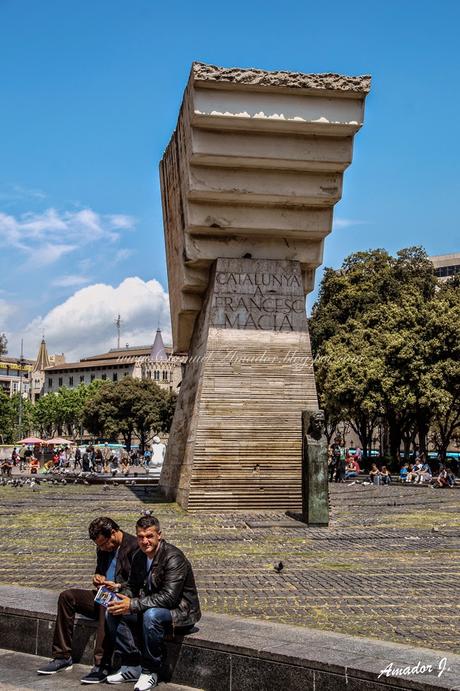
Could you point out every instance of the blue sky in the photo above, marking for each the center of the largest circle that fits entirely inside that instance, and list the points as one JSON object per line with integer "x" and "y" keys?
{"x": 90, "y": 94}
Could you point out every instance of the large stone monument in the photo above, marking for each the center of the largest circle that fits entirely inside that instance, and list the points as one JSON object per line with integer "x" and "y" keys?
{"x": 249, "y": 182}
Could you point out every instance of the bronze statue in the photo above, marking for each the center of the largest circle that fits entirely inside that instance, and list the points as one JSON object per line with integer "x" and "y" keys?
{"x": 315, "y": 500}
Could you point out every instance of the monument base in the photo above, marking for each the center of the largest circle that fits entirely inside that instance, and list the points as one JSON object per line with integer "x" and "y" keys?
{"x": 236, "y": 437}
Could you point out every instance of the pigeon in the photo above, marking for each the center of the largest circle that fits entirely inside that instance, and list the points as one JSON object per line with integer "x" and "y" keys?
{"x": 279, "y": 567}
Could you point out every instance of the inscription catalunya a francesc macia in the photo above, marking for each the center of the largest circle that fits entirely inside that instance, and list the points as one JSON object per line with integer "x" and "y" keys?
{"x": 265, "y": 300}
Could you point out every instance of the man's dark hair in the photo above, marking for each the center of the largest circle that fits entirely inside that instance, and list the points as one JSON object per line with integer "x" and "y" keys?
{"x": 148, "y": 522}
{"x": 102, "y": 526}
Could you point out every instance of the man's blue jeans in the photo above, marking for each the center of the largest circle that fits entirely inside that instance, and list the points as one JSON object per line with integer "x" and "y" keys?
{"x": 139, "y": 638}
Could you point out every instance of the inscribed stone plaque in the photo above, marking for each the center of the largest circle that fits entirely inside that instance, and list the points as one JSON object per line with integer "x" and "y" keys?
{"x": 258, "y": 294}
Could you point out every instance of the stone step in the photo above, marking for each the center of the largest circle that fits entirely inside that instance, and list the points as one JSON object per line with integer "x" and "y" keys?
{"x": 18, "y": 672}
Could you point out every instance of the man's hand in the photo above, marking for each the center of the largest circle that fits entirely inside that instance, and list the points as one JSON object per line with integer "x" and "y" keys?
{"x": 111, "y": 585}
{"x": 98, "y": 580}
{"x": 121, "y": 606}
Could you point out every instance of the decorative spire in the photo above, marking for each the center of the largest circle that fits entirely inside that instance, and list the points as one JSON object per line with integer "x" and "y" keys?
{"x": 158, "y": 351}
{"x": 42, "y": 360}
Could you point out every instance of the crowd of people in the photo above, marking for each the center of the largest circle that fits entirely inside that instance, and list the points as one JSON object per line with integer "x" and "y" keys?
{"x": 90, "y": 459}
{"x": 345, "y": 464}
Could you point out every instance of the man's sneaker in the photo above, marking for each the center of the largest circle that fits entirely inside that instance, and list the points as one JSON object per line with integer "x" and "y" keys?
{"x": 96, "y": 676}
{"x": 147, "y": 680}
{"x": 125, "y": 673}
{"x": 59, "y": 664}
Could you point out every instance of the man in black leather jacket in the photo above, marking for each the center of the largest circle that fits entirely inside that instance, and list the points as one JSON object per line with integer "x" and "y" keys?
{"x": 160, "y": 597}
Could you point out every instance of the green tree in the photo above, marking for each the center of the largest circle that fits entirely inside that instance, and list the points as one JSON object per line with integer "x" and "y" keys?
{"x": 45, "y": 416}
{"x": 441, "y": 381}
{"x": 17, "y": 431}
{"x": 127, "y": 408}
{"x": 167, "y": 408}
{"x": 368, "y": 337}
{"x": 61, "y": 412}
{"x": 347, "y": 371}
{"x": 6, "y": 419}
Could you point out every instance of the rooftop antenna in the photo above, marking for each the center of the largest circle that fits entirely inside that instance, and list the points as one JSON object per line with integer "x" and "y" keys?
{"x": 118, "y": 325}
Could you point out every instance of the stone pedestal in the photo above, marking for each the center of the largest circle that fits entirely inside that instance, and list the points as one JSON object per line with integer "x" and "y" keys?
{"x": 236, "y": 440}
{"x": 249, "y": 181}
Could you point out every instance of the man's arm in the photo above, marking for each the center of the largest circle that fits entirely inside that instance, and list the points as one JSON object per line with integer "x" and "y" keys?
{"x": 99, "y": 577}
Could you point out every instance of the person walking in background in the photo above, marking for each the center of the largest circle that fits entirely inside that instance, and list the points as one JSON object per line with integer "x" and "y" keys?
{"x": 340, "y": 467}
{"x": 77, "y": 459}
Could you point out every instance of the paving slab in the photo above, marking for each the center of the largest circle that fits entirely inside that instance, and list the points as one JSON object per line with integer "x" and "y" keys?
{"x": 18, "y": 672}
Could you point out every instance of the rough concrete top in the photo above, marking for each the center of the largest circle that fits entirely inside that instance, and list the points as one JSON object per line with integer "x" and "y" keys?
{"x": 293, "y": 80}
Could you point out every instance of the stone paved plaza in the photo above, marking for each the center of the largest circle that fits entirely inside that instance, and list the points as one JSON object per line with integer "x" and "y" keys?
{"x": 387, "y": 567}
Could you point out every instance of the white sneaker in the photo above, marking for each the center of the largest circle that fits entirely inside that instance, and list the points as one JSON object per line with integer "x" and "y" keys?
{"x": 147, "y": 680}
{"x": 125, "y": 673}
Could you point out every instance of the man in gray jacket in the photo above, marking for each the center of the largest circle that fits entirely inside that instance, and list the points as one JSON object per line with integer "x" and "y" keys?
{"x": 160, "y": 597}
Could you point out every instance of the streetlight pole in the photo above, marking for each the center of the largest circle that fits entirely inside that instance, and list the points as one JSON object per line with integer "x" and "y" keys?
{"x": 21, "y": 363}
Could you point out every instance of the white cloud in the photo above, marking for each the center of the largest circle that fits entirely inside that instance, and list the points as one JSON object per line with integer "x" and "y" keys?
{"x": 70, "y": 281}
{"x": 347, "y": 222}
{"x": 48, "y": 254}
{"x": 6, "y": 311}
{"x": 121, "y": 255}
{"x": 84, "y": 324}
{"x": 13, "y": 193}
{"x": 44, "y": 237}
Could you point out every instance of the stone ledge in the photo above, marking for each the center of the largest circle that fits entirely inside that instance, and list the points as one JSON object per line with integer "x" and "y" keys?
{"x": 226, "y": 653}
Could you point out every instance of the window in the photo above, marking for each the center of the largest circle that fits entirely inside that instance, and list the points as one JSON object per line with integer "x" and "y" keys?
{"x": 156, "y": 375}
{"x": 104, "y": 376}
{"x": 50, "y": 383}
{"x": 165, "y": 375}
{"x": 82, "y": 378}
{"x": 60, "y": 381}
{"x": 93, "y": 377}
{"x": 70, "y": 381}
{"x": 115, "y": 376}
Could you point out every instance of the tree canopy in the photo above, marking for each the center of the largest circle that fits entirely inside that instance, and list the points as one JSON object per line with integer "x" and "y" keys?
{"x": 385, "y": 338}
{"x": 128, "y": 408}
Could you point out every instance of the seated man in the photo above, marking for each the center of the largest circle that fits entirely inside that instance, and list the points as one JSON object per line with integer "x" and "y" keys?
{"x": 7, "y": 467}
{"x": 353, "y": 469}
{"x": 115, "y": 551}
{"x": 160, "y": 594}
{"x": 403, "y": 472}
{"x": 413, "y": 474}
{"x": 424, "y": 474}
{"x": 385, "y": 477}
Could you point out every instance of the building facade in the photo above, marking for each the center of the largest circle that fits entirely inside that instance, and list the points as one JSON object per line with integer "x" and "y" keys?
{"x": 446, "y": 265}
{"x": 154, "y": 362}
{"x": 15, "y": 375}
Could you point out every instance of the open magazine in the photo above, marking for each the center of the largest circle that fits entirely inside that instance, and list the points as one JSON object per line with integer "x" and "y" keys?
{"x": 105, "y": 597}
